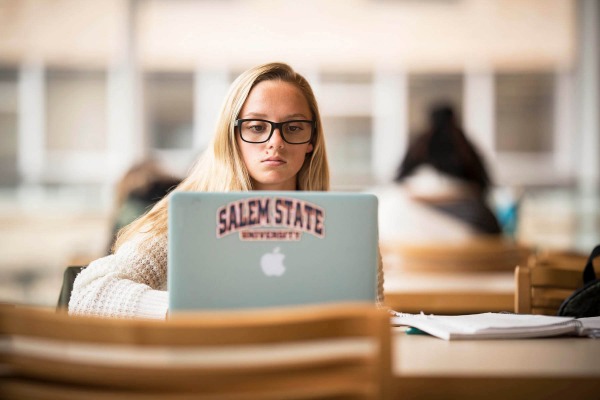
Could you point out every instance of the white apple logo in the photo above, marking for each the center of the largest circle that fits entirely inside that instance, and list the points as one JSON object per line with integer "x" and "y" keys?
{"x": 272, "y": 263}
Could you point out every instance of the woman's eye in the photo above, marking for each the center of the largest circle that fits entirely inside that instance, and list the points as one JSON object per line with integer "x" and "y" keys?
{"x": 257, "y": 128}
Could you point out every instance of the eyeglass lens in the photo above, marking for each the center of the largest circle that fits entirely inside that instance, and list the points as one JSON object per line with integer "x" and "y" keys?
{"x": 257, "y": 131}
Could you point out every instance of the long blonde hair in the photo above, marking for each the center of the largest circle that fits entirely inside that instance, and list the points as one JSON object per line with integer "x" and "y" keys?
{"x": 221, "y": 167}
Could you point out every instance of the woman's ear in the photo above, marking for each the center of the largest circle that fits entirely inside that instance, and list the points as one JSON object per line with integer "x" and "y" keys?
{"x": 309, "y": 148}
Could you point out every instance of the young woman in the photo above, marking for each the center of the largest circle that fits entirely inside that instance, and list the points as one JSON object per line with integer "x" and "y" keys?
{"x": 444, "y": 171}
{"x": 269, "y": 136}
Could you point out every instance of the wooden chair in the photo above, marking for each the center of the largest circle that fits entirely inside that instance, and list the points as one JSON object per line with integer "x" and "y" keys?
{"x": 548, "y": 279}
{"x": 476, "y": 255}
{"x": 563, "y": 259}
{"x": 329, "y": 351}
{"x": 454, "y": 278}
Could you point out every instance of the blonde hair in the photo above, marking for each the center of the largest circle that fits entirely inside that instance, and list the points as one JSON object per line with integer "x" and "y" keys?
{"x": 221, "y": 167}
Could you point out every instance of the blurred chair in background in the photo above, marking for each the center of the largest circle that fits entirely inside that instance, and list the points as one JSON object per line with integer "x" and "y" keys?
{"x": 452, "y": 278}
{"x": 330, "y": 351}
{"x": 476, "y": 255}
{"x": 542, "y": 289}
{"x": 547, "y": 280}
{"x": 565, "y": 259}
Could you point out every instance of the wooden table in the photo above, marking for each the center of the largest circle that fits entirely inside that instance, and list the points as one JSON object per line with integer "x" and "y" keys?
{"x": 425, "y": 367}
{"x": 449, "y": 292}
{"x": 453, "y": 277}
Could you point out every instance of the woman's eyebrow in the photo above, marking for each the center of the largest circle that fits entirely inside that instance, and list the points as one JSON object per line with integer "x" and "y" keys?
{"x": 299, "y": 115}
{"x": 264, "y": 116}
{"x": 255, "y": 115}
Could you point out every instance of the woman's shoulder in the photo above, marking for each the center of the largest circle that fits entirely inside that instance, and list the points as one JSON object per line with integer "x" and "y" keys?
{"x": 145, "y": 242}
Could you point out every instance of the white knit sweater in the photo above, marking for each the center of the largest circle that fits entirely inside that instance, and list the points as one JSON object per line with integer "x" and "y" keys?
{"x": 132, "y": 282}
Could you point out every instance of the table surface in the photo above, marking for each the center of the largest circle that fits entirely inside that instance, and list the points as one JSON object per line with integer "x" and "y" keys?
{"x": 561, "y": 368}
{"x": 559, "y": 356}
{"x": 415, "y": 281}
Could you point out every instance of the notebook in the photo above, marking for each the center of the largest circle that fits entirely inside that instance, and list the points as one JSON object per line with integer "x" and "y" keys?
{"x": 498, "y": 325}
{"x": 264, "y": 249}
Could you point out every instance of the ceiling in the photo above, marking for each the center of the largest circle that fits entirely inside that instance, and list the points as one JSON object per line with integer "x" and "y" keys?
{"x": 352, "y": 35}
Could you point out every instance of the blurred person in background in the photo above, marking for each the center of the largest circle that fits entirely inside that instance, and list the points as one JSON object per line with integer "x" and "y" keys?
{"x": 442, "y": 187}
{"x": 248, "y": 152}
{"x": 142, "y": 186}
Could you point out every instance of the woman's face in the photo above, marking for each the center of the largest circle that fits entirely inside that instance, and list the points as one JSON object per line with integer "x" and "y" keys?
{"x": 273, "y": 165}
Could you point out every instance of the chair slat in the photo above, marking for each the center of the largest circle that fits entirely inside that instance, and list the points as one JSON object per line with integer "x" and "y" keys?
{"x": 201, "y": 329}
{"x": 341, "y": 350}
{"x": 554, "y": 277}
{"x": 41, "y": 390}
{"x": 474, "y": 255}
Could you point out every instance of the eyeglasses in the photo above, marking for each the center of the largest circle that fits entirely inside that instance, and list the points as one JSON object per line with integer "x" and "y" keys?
{"x": 261, "y": 130}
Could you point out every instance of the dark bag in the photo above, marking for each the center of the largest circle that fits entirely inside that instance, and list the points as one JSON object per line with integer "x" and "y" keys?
{"x": 585, "y": 301}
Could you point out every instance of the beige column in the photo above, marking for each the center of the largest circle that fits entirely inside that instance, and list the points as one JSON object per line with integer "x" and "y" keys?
{"x": 588, "y": 98}
{"x": 31, "y": 151}
{"x": 390, "y": 123}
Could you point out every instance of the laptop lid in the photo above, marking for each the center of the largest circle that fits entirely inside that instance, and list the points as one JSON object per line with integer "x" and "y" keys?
{"x": 259, "y": 249}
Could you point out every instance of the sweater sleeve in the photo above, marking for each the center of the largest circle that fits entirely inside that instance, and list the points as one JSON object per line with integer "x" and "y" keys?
{"x": 128, "y": 284}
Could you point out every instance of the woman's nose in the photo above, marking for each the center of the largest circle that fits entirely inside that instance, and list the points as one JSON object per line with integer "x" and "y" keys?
{"x": 276, "y": 139}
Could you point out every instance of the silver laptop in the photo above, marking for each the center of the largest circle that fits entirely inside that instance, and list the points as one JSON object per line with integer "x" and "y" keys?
{"x": 264, "y": 249}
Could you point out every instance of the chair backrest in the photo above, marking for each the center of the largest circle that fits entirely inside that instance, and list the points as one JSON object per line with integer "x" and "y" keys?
{"x": 547, "y": 280}
{"x": 476, "y": 255}
{"x": 563, "y": 259}
{"x": 541, "y": 290}
{"x": 330, "y": 351}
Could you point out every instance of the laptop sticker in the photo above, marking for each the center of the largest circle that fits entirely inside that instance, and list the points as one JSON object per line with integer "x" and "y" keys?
{"x": 270, "y": 218}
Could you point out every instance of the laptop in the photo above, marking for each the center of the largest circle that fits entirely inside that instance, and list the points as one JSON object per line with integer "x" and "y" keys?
{"x": 266, "y": 249}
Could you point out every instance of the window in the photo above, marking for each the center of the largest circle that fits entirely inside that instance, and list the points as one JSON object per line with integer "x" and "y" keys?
{"x": 348, "y": 141}
{"x": 524, "y": 112}
{"x": 345, "y": 100}
{"x": 8, "y": 127}
{"x": 169, "y": 103}
{"x": 76, "y": 116}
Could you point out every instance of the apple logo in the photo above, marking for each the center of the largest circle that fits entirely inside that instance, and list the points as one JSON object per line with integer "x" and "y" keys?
{"x": 272, "y": 263}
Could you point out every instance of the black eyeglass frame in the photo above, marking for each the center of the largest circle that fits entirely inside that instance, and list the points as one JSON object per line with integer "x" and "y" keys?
{"x": 276, "y": 125}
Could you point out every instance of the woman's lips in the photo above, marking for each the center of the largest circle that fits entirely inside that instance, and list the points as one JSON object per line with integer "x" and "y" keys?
{"x": 273, "y": 161}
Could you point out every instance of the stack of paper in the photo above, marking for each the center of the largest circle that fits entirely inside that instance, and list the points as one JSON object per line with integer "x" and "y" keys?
{"x": 498, "y": 325}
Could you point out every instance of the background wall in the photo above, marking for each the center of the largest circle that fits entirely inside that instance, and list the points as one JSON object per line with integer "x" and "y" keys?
{"x": 87, "y": 88}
